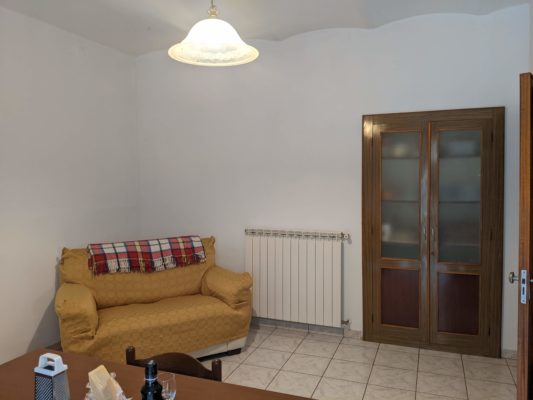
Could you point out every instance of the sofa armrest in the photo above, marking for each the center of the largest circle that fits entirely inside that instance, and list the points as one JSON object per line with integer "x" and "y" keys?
{"x": 231, "y": 287}
{"x": 76, "y": 308}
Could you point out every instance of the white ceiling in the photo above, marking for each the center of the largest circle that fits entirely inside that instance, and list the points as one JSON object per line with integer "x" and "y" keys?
{"x": 140, "y": 26}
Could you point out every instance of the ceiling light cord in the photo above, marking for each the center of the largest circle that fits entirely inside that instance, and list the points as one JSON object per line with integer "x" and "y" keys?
{"x": 212, "y": 12}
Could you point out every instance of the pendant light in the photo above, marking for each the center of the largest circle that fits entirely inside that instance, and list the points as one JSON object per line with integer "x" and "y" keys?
{"x": 213, "y": 42}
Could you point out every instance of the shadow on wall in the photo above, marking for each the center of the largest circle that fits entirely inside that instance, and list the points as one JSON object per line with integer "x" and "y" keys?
{"x": 47, "y": 332}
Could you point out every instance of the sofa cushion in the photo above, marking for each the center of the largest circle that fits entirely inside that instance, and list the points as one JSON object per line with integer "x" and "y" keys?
{"x": 181, "y": 324}
{"x": 111, "y": 290}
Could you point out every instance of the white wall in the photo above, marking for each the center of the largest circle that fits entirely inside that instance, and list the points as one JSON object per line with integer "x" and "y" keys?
{"x": 531, "y": 35}
{"x": 277, "y": 143}
{"x": 68, "y": 165}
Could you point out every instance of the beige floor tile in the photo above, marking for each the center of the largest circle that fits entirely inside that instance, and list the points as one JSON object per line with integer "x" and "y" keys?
{"x": 482, "y": 390}
{"x": 324, "y": 337}
{"x": 281, "y": 343}
{"x": 487, "y": 360}
{"x": 403, "y": 349}
{"x": 348, "y": 333}
{"x": 227, "y": 367}
{"x": 488, "y": 372}
{"x": 268, "y": 358}
{"x": 441, "y": 366}
{"x": 514, "y": 373}
{"x": 427, "y": 396}
{"x": 381, "y": 393}
{"x": 319, "y": 349}
{"x": 441, "y": 385}
{"x": 355, "y": 353}
{"x": 348, "y": 370}
{"x": 397, "y": 359}
{"x": 248, "y": 375}
{"x": 307, "y": 364}
{"x": 290, "y": 332}
{"x": 443, "y": 354}
{"x": 255, "y": 338}
{"x": 393, "y": 378}
{"x": 511, "y": 362}
{"x": 337, "y": 389}
{"x": 239, "y": 358}
{"x": 360, "y": 342}
{"x": 293, "y": 383}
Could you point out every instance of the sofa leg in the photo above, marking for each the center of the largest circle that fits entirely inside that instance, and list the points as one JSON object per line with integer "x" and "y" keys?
{"x": 233, "y": 352}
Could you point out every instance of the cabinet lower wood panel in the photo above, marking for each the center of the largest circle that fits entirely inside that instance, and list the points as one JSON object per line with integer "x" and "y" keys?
{"x": 432, "y": 229}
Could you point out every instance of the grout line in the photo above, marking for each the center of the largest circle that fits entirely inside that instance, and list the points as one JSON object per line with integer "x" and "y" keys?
{"x": 280, "y": 369}
{"x": 373, "y": 364}
{"x": 417, "y": 371}
{"x": 371, "y": 370}
{"x": 485, "y": 380}
{"x": 329, "y": 363}
{"x": 464, "y": 376}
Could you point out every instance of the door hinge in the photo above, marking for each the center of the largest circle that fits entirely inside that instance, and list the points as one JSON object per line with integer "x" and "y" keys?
{"x": 372, "y": 317}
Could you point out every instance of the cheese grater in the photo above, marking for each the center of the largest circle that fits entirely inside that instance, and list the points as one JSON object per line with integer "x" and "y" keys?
{"x": 51, "y": 381}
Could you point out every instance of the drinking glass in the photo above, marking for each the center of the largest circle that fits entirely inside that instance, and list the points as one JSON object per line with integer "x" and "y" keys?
{"x": 168, "y": 382}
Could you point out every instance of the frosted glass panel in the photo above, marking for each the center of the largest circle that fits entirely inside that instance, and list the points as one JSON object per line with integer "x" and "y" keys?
{"x": 460, "y": 179}
{"x": 459, "y": 196}
{"x": 399, "y": 179}
{"x": 400, "y": 145}
{"x": 400, "y": 170}
{"x": 399, "y": 230}
{"x": 460, "y": 144}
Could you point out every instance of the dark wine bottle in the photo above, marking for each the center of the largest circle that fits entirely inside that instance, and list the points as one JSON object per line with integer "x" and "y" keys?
{"x": 152, "y": 389}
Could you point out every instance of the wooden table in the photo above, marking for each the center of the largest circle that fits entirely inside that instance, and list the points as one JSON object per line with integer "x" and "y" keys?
{"x": 17, "y": 381}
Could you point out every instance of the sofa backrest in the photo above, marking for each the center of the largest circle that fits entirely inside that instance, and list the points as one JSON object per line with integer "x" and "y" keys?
{"x": 119, "y": 289}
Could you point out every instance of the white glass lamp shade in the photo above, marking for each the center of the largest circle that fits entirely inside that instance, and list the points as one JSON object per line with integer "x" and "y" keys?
{"x": 215, "y": 43}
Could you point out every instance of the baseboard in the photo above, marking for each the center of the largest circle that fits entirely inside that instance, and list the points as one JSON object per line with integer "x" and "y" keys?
{"x": 509, "y": 354}
{"x": 257, "y": 321}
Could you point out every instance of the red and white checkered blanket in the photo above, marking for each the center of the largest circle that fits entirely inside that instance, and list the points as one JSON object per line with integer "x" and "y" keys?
{"x": 145, "y": 255}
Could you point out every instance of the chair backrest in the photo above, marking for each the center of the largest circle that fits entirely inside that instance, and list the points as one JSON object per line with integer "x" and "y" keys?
{"x": 178, "y": 363}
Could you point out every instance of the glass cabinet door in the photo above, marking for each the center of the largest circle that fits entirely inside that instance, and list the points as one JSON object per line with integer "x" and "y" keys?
{"x": 456, "y": 272}
{"x": 400, "y": 194}
{"x": 401, "y": 271}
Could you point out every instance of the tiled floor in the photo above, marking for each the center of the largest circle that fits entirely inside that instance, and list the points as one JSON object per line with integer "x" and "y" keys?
{"x": 333, "y": 367}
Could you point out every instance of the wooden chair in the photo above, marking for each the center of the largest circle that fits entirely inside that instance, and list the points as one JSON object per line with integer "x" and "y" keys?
{"x": 178, "y": 363}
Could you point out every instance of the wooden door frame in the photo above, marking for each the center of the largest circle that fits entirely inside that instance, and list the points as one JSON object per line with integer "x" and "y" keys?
{"x": 525, "y": 327}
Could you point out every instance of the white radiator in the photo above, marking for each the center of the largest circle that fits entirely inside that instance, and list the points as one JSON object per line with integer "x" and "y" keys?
{"x": 297, "y": 276}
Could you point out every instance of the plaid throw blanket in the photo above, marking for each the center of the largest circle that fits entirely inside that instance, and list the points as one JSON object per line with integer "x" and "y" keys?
{"x": 145, "y": 255}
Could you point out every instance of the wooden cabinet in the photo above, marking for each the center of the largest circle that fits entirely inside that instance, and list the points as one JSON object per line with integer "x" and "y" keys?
{"x": 433, "y": 229}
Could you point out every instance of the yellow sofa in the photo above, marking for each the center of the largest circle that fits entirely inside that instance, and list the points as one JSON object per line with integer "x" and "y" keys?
{"x": 199, "y": 309}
